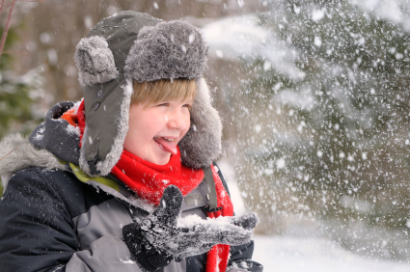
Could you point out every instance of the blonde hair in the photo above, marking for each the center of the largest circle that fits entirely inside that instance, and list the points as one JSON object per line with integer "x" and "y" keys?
{"x": 149, "y": 93}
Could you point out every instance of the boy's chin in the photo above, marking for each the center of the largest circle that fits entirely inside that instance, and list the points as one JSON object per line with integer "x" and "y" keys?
{"x": 161, "y": 156}
{"x": 162, "y": 160}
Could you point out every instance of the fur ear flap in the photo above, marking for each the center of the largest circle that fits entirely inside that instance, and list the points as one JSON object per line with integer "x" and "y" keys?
{"x": 95, "y": 61}
{"x": 202, "y": 143}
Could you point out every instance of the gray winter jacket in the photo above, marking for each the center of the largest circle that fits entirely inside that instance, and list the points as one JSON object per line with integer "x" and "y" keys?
{"x": 53, "y": 217}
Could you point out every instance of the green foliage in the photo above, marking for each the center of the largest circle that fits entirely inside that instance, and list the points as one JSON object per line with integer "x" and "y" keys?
{"x": 15, "y": 105}
{"x": 15, "y": 101}
{"x": 7, "y": 59}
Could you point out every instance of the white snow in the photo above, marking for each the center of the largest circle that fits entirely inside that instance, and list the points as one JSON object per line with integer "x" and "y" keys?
{"x": 191, "y": 38}
{"x": 281, "y": 163}
{"x": 288, "y": 254}
{"x": 318, "y": 41}
{"x": 258, "y": 128}
{"x": 88, "y": 22}
{"x": 222, "y": 222}
{"x": 45, "y": 38}
{"x": 39, "y": 136}
{"x": 127, "y": 261}
{"x": 301, "y": 254}
{"x": 165, "y": 181}
{"x": 243, "y": 37}
{"x": 52, "y": 56}
{"x": 389, "y": 10}
{"x": 73, "y": 130}
{"x": 229, "y": 175}
{"x": 266, "y": 65}
{"x": 317, "y": 15}
{"x": 303, "y": 99}
{"x": 356, "y": 204}
{"x": 219, "y": 53}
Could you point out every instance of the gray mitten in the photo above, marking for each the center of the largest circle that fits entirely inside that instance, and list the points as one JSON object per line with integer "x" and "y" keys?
{"x": 189, "y": 236}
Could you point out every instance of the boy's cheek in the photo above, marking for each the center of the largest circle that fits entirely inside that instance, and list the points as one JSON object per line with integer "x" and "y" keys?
{"x": 185, "y": 132}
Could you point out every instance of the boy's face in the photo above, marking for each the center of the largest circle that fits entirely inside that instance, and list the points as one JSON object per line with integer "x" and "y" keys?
{"x": 155, "y": 130}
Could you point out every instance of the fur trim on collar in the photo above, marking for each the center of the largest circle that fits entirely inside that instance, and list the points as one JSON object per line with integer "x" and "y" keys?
{"x": 202, "y": 144}
{"x": 17, "y": 153}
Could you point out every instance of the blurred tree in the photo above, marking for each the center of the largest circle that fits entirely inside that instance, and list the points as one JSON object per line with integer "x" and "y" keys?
{"x": 16, "y": 96}
{"x": 15, "y": 100}
{"x": 48, "y": 32}
{"x": 324, "y": 131}
{"x": 49, "y": 45}
{"x": 52, "y": 42}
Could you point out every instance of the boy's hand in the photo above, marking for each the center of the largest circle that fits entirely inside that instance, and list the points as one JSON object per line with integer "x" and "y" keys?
{"x": 163, "y": 233}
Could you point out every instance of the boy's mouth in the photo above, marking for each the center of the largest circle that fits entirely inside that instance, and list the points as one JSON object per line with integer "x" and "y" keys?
{"x": 167, "y": 144}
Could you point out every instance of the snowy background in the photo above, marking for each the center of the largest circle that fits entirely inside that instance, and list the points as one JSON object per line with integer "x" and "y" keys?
{"x": 314, "y": 98}
{"x": 289, "y": 254}
{"x": 304, "y": 254}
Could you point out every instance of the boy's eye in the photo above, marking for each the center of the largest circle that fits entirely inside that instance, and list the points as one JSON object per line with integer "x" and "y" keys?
{"x": 188, "y": 106}
{"x": 163, "y": 104}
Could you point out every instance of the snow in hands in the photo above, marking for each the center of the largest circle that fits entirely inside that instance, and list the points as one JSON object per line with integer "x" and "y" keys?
{"x": 189, "y": 236}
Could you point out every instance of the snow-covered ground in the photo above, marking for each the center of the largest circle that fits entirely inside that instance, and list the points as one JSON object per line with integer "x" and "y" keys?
{"x": 288, "y": 254}
{"x": 294, "y": 254}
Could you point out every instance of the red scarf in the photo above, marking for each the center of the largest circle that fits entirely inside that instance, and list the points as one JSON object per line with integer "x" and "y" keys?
{"x": 149, "y": 181}
{"x": 218, "y": 256}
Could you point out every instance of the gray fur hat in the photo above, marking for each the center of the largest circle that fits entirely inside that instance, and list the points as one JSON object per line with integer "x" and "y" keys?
{"x": 131, "y": 46}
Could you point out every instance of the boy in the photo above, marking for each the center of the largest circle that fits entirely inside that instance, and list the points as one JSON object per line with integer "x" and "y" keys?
{"x": 144, "y": 137}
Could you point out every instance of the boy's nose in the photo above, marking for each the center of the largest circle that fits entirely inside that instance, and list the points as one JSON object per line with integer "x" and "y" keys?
{"x": 176, "y": 120}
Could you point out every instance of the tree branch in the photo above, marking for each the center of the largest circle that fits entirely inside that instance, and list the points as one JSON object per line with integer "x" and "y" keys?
{"x": 7, "y": 4}
{"x": 1, "y": 5}
{"x": 15, "y": 52}
{"x": 6, "y": 28}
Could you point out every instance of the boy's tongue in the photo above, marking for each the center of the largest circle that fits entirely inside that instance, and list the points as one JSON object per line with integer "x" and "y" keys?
{"x": 168, "y": 146}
